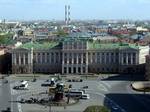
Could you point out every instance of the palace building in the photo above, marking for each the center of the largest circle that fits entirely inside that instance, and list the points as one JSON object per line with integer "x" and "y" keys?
{"x": 78, "y": 56}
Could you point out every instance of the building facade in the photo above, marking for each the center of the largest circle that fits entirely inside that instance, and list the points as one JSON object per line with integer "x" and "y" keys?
{"x": 79, "y": 56}
{"x": 147, "y": 68}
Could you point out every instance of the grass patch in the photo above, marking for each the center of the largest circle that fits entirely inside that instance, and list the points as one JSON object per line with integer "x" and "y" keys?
{"x": 96, "y": 108}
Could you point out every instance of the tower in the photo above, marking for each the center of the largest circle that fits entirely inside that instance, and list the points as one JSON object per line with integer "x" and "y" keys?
{"x": 67, "y": 14}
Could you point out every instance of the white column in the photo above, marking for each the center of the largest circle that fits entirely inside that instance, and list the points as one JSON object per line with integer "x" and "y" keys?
{"x": 86, "y": 69}
{"x": 19, "y": 59}
{"x": 105, "y": 56}
{"x": 73, "y": 59}
{"x": 63, "y": 58}
{"x": 131, "y": 58}
{"x": 110, "y": 58}
{"x": 50, "y": 57}
{"x": 77, "y": 58}
{"x": 95, "y": 57}
{"x": 62, "y": 69}
{"x": 126, "y": 58}
{"x": 67, "y": 69}
{"x": 54, "y": 57}
{"x": 122, "y": 58}
{"x": 14, "y": 58}
{"x": 81, "y": 58}
{"x": 45, "y": 57}
{"x": 41, "y": 58}
{"x": 72, "y": 69}
{"x": 24, "y": 59}
{"x": 91, "y": 57}
{"x": 100, "y": 58}
{"x": 29, "y": 58}
{"x": 36, "y": 57}
{"x": 77, "y": 69}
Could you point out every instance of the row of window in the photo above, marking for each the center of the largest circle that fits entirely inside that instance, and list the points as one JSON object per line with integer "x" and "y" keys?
{"x": 74, "y": 70}
{"x": 75, "y": 61}
{"x": 46, "y": 58}
{"x": 74, "y": 45}
{"x": 103, "y": 69}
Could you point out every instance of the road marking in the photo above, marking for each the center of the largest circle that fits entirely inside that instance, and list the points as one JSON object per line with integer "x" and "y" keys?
{"x": 106, "y": 84}
{"x": 19, "y": 105}
{"x": 11, "y": 98}
{"x": 102, "y": 87}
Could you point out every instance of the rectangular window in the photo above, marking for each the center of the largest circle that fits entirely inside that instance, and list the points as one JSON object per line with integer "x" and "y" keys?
{"x": 21, "y": 60}
{"x": 124, "y": 60}
{"x": 74, "y": 69}
{"x": 79, "y": 70}
{"x": 74, "y": 60}
{"x": 84, "y": 60}
{"x": 65, "y": 60}
{"x": 83, "y": 69}
{"x": 65, "y": 70}
{"x": 70, "y": 61}
{"x": 79, "y": 61}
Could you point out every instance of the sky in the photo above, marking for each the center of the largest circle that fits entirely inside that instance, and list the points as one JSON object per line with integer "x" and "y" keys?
{"x": 80, "y": 9}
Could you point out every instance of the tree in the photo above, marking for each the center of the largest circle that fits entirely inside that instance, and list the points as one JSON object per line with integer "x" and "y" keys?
{"x": 96, "y": 108}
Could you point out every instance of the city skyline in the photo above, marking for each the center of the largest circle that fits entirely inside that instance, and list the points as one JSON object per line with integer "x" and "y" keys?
{"x": 80, "y": 9}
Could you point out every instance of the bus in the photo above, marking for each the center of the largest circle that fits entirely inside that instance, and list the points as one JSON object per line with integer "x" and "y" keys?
{"x": 75, "y": 93}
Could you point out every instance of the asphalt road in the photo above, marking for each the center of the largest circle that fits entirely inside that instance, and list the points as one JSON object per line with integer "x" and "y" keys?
{"x": 5, "y": 95}
{"x": 128, "y": 99}
{"x": 118, "y": 91}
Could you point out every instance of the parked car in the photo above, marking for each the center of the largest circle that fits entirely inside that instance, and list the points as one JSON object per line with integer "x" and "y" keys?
{"x": 75, "y": 80}
{"x": 85, "y": 87}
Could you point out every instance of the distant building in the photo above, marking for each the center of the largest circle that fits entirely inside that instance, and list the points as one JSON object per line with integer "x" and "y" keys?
{"x": 79, "y": 56}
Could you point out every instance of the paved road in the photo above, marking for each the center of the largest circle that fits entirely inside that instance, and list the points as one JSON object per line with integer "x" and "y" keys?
{"x": 118, "y": 91}
{"x": 128, "y": 99}
{"x": 5, "y": 95}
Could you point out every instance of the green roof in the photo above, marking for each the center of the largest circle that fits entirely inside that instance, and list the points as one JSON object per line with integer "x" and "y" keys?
{"x": 36, "y": 45}
{"x": 97, "y": 45}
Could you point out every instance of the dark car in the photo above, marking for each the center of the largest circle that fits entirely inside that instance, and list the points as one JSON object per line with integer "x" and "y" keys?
{"x": 85, "y": 87}
{"x": 16, "y": 87}
{"x": 46, "y": 84}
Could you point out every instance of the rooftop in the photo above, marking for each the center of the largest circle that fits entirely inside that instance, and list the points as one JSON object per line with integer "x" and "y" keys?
{"x": 93, "y": 45}
{"x": 97, "y": 45}
{"x": 36, "y": 45}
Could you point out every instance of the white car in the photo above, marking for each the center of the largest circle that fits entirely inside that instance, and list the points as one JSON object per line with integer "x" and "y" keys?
{"x": 85, "y": 96}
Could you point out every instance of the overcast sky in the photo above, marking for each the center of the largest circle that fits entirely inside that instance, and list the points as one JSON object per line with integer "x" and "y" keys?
{"x": 80, "y": 9}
